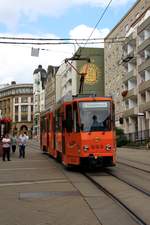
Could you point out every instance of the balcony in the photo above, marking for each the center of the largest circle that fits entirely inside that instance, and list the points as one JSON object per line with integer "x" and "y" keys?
{"x": 145, "y": 85}
{"x": 144, "y": 107}
{"x": 129, "y": 75}
{"x": 144, "y": 45}
{"x": 144, "y": 25}
{"x": 144, "y": 65}
{"x": 130, "y": 112}
{"x": 132, "y": 37}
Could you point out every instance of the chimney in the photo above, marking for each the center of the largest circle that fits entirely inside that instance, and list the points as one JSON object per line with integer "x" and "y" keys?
{"x": 13, "y": 82}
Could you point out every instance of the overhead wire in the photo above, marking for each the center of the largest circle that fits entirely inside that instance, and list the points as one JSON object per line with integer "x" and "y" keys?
{"x": 96, "y": 26}
{"x": 63, "y": 41}
{"x": 112, "y": 39}
{"x": 102, "y": 15}
{"x": 55, "y": 39}
{"x": 58, "y": 43}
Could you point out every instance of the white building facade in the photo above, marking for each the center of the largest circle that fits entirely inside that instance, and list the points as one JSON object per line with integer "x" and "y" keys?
{"x": 38, "y": 99}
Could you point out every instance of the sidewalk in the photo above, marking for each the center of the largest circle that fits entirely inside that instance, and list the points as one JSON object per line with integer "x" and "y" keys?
{"x": 37, "y": 191}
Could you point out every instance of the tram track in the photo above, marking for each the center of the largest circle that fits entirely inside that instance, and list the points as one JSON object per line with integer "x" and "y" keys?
{"x": 117, "y": 200}
{"x": 134, "y": 167}
{"x": 147, "y": 193}
{"x": 134, "y": 161}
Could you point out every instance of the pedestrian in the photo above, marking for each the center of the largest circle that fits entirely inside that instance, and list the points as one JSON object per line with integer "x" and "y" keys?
{"x": 6, "y": 142}
{"x": 13, "y": 143}
{"x": 22, "y": 141}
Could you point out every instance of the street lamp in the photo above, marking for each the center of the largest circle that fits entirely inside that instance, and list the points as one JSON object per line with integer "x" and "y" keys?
{"x": 140, "y": 116}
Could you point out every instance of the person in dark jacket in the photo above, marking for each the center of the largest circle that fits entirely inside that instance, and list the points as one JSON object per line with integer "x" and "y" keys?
{"x": 13, "y": 143}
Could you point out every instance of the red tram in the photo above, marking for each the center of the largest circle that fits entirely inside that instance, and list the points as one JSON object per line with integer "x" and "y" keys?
{"x": 81, "y": 132}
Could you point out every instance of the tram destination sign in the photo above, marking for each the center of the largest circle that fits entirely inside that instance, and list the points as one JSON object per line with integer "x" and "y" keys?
{"x": 95, "y": 105}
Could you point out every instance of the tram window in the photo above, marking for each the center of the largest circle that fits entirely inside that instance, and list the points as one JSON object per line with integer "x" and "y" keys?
{"x": 75, "y": 118}
{"x": 57, "y": 121}
{"x": 43, "y": 124}
{"x": 69, "y": 118}
{"x": 113, "y": 115}
{"x": 48, "y": 123}
{"x": 95, "y": 116}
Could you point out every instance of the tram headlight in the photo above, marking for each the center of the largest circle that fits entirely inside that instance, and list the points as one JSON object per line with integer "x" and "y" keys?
{"x": 85, "y": 148}
{"x": 108, "y": 147}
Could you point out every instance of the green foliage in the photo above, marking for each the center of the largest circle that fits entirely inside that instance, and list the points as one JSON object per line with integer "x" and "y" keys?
{"x": 121, "y": 139}
{"x": 119, "y": 131}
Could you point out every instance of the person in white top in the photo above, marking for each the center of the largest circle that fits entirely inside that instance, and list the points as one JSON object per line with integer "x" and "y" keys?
{"x": 6, "y": 147}
{"x": 22, "y": 141}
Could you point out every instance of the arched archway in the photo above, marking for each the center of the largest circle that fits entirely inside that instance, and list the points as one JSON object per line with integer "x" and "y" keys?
{"x": 24, "y": 128}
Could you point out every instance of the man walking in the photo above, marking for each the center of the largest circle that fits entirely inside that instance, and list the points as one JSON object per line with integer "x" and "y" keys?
{"x": 22, "y": 141}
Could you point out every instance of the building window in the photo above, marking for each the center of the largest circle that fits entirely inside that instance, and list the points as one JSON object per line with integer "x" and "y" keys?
{"x": 24, "y": 117}
{"x": 16, "y": 109}
{"x": 109, "y": 45}
{"x": 24, "y": 99}
{"x": 137, "y": 15}
{"x": 126, "y": 28}
{"x": 19, "y": 91}
{"x": 16, "y": 100}
{"x": 16, "y": 117}
{"x": 24, "y": 108}
{"x": 16, "y": 113}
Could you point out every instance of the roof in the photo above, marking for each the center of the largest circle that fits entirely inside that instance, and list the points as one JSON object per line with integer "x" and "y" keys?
{"x": 16, "y": 86}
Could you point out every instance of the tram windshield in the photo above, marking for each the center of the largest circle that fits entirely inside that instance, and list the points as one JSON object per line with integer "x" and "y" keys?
{"x": 95, "y": 116}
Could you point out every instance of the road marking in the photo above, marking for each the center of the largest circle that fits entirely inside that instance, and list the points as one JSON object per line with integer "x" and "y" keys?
{"x": 22, "y": 168}
{"x": 33, "y": 182}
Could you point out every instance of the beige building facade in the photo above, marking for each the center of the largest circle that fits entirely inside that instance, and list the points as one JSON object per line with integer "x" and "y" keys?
{"x": 127, "y": 68}
{"x": 16, "y": 103}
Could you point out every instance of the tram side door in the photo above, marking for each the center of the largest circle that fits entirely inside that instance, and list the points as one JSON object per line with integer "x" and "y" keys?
{"x": 67, "y": 128}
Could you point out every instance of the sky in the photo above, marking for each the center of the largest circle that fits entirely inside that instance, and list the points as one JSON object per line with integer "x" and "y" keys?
{"x": 51, "y": 19}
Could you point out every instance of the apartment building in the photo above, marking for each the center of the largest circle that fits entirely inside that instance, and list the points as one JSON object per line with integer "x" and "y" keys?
{"x": 87, "y": 61}
{"x": 16, "y": 103}
{"x": 127, "y": 68}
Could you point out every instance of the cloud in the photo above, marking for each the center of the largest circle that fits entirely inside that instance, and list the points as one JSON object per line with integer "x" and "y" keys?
{"x": 17, "y": 64}
{"x": 12, "y": 11}
{"x": 83, "y": 31}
